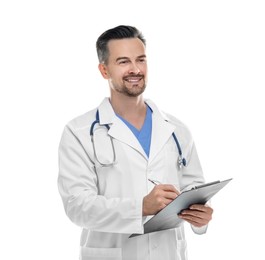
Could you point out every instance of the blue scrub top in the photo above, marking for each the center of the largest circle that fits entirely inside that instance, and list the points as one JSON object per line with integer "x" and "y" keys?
{"x": 144, "y": 134}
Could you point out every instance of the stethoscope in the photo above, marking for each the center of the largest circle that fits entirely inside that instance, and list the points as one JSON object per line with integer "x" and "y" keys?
{"x": 181, "y": 159}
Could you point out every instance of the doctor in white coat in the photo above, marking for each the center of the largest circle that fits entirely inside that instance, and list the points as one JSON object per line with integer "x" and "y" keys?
{"x": 109, "y": 156}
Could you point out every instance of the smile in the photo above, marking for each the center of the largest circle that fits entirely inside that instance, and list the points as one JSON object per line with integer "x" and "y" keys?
{"x": 133, "y": 79}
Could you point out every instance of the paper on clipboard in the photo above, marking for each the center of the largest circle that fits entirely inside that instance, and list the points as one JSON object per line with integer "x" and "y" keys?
{"x": 168, "y": 218}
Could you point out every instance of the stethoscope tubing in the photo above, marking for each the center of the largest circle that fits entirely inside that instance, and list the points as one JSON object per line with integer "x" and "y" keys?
{"x": 181, "y": 160}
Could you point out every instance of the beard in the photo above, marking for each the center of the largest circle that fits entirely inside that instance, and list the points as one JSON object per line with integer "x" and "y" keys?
{"x": 130, "y": 89}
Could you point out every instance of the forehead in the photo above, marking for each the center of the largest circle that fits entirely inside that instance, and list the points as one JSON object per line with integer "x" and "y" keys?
{"x": 131, "y": 48}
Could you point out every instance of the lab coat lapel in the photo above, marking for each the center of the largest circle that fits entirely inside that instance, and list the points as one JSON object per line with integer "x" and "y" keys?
{"x": 118, "y": 130}
{"x": 121, "y": 132}
{"x": 161, "y": 131}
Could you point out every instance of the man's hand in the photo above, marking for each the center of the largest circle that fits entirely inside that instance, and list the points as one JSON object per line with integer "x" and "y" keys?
{"x": 197, "y": 215}
{"x": 158, "y": 198}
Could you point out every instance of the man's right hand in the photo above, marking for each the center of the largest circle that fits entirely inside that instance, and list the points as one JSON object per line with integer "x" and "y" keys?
{"x": 160, "y": 196}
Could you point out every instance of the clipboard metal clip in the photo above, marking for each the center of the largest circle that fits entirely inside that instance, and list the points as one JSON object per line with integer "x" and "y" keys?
{"x": 205, "y": 185}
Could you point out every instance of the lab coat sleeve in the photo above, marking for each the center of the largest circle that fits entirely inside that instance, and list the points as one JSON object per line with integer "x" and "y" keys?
{"x": 77, "y": 184}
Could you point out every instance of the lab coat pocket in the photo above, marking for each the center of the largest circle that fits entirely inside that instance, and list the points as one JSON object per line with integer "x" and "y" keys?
{"x": 89, "y": 253}
{"x": 181, "y": 249}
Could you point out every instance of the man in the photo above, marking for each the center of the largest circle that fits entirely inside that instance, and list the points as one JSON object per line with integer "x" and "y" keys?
{"x": 111, "y": 158}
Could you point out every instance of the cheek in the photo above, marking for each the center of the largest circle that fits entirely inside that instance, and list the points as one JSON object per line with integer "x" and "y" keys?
{"x": 143, "y": 69}
{"x": 117, "y": 74}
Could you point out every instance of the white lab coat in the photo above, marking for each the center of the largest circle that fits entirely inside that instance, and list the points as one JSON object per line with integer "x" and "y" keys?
{"x": 107, "y": 201}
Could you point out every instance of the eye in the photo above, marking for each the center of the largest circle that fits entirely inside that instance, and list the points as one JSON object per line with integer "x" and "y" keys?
{"x": 142, "y": 60}
{"x": 121, "y": 62}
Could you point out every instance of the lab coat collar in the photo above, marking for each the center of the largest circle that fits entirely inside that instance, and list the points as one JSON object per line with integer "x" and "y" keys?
{"x": 162, "y": 129}
{"x": 108, "y": 116}
{"x": 106, "y": 112}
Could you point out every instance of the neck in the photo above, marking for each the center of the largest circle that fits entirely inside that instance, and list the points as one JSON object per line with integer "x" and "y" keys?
{"x": 132, "y": 109}
{"x": 128, "y": 105}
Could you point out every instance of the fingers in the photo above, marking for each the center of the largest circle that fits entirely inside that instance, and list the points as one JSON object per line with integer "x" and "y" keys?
{"x": 197, "y": 215}
{"x": 158, "y": 198}
{"x": 166, "y": 190}
{"x": 201, "y": 207}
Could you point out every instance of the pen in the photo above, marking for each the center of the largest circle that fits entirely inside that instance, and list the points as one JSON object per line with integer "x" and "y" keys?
{"x": 154, "y": 182}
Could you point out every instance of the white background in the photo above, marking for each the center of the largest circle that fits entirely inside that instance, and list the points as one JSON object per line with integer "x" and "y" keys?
{"x": 206, "y": 66}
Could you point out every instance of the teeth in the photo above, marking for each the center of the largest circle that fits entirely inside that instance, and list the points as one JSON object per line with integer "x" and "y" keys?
{"x": 134, "y": 80}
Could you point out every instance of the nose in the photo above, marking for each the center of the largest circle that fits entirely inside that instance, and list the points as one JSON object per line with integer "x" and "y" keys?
{"x": 134, "y": 69}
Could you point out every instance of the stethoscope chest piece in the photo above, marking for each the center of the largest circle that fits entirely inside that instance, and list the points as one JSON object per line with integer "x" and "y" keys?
{"x": 181, "y": 162}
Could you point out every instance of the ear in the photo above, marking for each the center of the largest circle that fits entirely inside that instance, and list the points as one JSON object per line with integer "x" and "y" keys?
{"x": 103, "y": 70}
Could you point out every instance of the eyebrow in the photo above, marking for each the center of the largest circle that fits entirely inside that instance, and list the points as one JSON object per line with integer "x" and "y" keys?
{"x": 126, "y": 58}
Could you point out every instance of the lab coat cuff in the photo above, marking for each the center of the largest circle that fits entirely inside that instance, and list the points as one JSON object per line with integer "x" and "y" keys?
{"x": 199, "y": 230}
{"x": 138, "y": 218}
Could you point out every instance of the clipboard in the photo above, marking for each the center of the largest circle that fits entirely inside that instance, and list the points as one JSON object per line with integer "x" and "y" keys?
{"x": 167, "y": 218}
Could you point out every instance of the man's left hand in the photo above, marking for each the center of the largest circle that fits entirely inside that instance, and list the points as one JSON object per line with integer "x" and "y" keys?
{"x": 197, "y": 215}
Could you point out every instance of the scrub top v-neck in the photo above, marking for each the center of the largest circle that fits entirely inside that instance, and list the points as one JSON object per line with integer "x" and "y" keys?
{"x": 144, "y": 134}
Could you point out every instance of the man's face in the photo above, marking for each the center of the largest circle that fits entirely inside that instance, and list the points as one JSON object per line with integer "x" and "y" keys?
{"x": 126, "y": 69}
